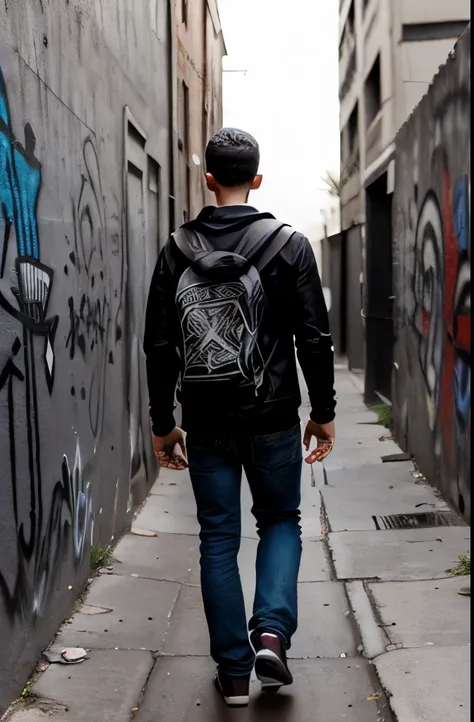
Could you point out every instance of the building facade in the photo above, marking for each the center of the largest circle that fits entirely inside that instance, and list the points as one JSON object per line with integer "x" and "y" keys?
{"x": 198, "y": 111}
{"x": 88, "y": 196}
{"x": 405, "y": 190}
{"x": 389, "y": 52}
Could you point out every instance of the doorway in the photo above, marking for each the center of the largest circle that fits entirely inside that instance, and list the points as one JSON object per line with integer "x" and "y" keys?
{"x": 379, "y": 294}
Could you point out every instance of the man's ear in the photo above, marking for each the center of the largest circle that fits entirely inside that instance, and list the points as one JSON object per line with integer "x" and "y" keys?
{"x": 211, "y": 182}
{"x": 257, "y": 182}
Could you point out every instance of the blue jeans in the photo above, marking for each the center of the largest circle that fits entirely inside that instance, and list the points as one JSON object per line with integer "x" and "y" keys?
{"x": 272, "y": 465}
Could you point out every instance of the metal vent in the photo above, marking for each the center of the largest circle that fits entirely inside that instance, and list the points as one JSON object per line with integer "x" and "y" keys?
{"x": 421, "y": 520}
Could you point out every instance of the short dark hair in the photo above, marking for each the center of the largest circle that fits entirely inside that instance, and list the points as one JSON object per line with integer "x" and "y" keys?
{"x": 232, "y": 157}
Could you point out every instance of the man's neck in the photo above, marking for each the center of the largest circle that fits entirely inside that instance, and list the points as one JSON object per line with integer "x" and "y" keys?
{"x": 232, "y": 199}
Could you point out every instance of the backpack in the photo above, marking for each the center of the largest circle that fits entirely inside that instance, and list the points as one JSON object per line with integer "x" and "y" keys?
{"x": 220, "y": 303}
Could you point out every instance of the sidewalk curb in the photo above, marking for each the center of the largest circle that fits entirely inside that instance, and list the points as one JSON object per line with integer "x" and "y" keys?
{"x": 374, "y": 641}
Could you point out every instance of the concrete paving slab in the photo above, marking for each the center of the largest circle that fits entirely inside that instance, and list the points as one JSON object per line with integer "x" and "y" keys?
{"x": 139, "y": 619}
{"x": 167, "y": 556}
{"x": 181, "y": 690}
{"x": 398, "y": 555}
{"x": 352, "y": 406}
{"x": 311, "y": 501}
{"x": 105, "y": 688}
{"x": 187, "y": 634}
{"x": 325, "y": 628}
{"x": 173, "y": 509}
{"x": 425, "y": 613}
{"x": 169, "y": 481}
{"x": 357, "y": 425}
{"x": 247, "y": 574}
{"x": 174, "y": 514}
{"x": 314, "y": 565}
{"x": 428, "y": 685}
{"x": 349, "y": 455}
{"x": 381, "y": 475}
{"x": 352, "y": 497}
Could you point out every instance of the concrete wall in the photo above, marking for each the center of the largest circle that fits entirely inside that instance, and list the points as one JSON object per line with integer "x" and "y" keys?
{"x": 84, "y": 203}
{"x": 200, "y": 48}
{"x": 432, "y": 248}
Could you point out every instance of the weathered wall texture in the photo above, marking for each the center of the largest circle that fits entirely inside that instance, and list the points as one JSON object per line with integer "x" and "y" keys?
{"x": 432, "y": 281}
{"x": 84, "y": 199}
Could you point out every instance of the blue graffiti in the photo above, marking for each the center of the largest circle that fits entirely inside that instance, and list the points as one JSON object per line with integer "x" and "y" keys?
{"x": 461, "y": 213}
{"x": 462, "y": 395}
{"x": 20, "y": 181}
{"x": 462, "y": 308}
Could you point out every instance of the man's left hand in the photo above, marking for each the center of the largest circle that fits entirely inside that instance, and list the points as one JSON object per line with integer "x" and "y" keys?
{"x": 165, "y": 450}
{"x": 324, "y": 434}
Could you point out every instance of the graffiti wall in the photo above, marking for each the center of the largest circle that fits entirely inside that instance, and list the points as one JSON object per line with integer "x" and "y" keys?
{"x": 66, "y": 462}
{"x": 432, "y": 281}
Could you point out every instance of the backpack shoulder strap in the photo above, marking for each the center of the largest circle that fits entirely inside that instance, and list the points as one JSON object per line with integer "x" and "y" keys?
{"x": 263, "y": 240}
{"x": 257, "y": 236}
{"x": 274, "y": 247}
{"x": 193, "y": 245}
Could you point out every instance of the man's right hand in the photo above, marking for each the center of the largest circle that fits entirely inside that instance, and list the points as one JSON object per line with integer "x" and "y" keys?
{"x": 165, "y": 450}
{"x": 325, "y": 435}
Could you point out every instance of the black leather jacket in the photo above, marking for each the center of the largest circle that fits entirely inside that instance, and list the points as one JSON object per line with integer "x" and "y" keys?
{"x": 295, "y": 310}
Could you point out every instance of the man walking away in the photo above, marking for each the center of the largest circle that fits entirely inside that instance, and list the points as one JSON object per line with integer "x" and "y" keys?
{"x": 231, "y": 293}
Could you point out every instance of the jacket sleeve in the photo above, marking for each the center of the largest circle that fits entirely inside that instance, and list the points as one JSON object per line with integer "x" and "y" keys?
{"x": 313, "y": 340}
{"x": 161, "y": 347}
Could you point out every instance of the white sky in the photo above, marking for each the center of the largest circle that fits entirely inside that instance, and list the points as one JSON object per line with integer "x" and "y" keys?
{"x": 288, "y": 99}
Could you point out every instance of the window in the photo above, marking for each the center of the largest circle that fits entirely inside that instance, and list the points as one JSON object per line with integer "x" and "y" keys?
{"x": 353, "y": 130}
{"x": 447, "y": 30}
{"x": 348, "y": 32}
{"x": 342, "y": 145}
{"x": 373, "y": 93}
{"x": 184, "y": 148}
{"x": 188, "y": 193}
{"x": 184, "y": 11}
{"x": 351, "y": 18}
{"x": 183, "y": 118}
{"x": 186, "y": 118}
{"x": 205, "y": 124}
{"x": 154, "y": 186}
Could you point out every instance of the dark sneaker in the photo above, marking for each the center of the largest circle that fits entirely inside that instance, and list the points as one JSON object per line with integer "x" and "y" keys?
{"x": 271, "y": 666}
{"x": 233, "y": 690}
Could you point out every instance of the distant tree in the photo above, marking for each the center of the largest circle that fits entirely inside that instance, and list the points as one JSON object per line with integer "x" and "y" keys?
{"x": 333, "y": 183}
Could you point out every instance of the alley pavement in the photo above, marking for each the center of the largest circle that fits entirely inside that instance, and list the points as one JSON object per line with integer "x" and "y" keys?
{"x": 384, "y": 634}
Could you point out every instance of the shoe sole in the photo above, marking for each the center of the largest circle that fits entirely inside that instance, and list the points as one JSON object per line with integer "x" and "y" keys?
{"x": 242, "y": 701}
{"x": 271, "y": 671}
